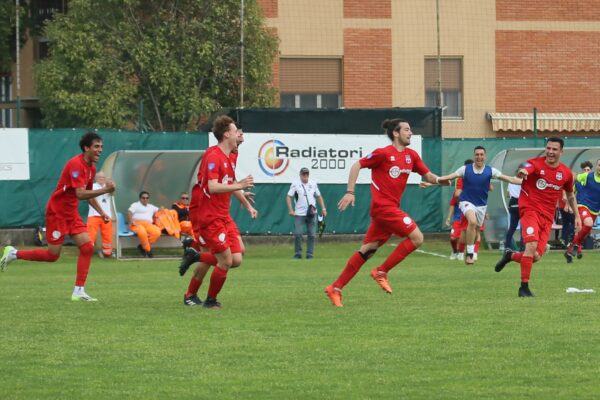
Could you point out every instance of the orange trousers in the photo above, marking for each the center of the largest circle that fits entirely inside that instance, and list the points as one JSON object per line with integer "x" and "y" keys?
{"x": 147, "y": 232}
{"x": 186, "y": 228}
{"x": 97, "y": 223}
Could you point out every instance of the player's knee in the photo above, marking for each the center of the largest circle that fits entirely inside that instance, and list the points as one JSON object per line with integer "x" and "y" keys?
{"x": 367, "y": 254}
{"x": 53, "y": 257}
{"x": 236, "y": 260}
{"x": 86, "y": 249}
{"x": 536, "y": 257}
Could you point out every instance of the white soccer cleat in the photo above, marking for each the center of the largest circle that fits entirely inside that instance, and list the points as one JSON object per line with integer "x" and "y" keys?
{"x": 8, "y": 255}
{"x": 83, "y": 296}
{"x": 474, "y": 256}
{"x": 460, "y": 256}
{"x": 453, "y": 256}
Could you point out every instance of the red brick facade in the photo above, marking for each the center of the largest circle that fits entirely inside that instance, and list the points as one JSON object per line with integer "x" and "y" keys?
{"x": 269, "y": 8}
{"x": 367, "y": 9}
{"x": 544, "y": 10}
{"x": 553, "y": 71}
{"x": 367, "y": 68}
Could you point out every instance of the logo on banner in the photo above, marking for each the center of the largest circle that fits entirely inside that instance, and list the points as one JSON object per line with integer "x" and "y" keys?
{"x": 268, "y": 161}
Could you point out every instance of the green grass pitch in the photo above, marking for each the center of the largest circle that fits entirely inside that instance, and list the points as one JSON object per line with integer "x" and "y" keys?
{"x": 447, "y": 332}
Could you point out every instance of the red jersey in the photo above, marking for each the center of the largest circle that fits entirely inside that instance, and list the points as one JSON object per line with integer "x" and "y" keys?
{"x": 214, "y": 165}
{"x": 389, "y": 172}
{"x": 458, "y": 185}
{"x": 543, "y": 187}
{"x": 75, "y": 174}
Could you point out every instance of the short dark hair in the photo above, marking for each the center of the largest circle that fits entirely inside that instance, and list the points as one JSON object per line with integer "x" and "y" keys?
{"x": 391, "y": 125}
{"x": 556, "y": 140}
{"x": 221, "y": 125}
{"x": 587, "y": 164}
{"x": 468, "y": 161}
{"x": 88, "y": 139}
{"x": 143, "y": 192}
{"x": 479, "y": 148}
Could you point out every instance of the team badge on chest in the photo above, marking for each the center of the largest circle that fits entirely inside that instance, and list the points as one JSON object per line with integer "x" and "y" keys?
{"x": 559, "y": 176}
{"x": 407, "y": 159}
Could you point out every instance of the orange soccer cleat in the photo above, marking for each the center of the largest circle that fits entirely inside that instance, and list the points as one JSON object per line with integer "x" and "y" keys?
{"x": 381, "y": 278}
{"x": 335, "y": 295}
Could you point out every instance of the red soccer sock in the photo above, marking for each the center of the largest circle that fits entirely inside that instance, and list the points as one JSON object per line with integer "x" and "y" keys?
{"x": 217, "y": 280}
{"x": 83, "y": 263}
{"x": 516, "y": 257}
{"x": 352, "y": 267}
{"x": 461, "y": 247}
{"x": 477, "y": 244}
{"x": 404, "y": 249}
{"x": 37, "y": 255}
{"x": 454, "y": 245}
{"x": 208, "y": 258}
{"x": 526, "y": 264}
{"x": 193, "y": 287}
{"x": 580, "y": 237}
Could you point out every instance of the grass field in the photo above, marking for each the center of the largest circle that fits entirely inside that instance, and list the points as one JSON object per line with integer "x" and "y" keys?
{"x": 448, "y": 331}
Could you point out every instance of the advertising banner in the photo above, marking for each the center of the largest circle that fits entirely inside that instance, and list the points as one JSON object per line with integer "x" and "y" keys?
{"x": 14, "y": 154}
{"x": 278, "y": 158}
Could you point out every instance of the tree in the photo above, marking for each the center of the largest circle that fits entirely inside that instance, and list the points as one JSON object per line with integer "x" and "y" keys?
{"x": 182, "y": 58}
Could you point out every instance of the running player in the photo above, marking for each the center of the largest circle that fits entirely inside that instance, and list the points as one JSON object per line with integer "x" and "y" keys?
{"x": 473, "y": 197}
{"x": 544, "y": 179}
{"x": 588, "y": 205}
{"x": 390, "y": 167}
{"x": 62, "y": 218}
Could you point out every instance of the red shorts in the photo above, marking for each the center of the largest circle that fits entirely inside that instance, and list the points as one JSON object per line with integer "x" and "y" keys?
{"x": 584, "y": 213}
{"x": 456, "y": 229}
{"x": 57, "y": 227}
{"x": 535, "y": 228}
{"x": 389, "y": 223}
{"x": 220, "y": 235}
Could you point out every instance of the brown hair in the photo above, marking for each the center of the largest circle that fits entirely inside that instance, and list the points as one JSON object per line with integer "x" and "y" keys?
{"x": 220, "y": 126}
{"x": 391, "y": 125}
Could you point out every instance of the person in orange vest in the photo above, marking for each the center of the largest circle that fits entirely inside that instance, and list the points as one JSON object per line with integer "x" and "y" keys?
{"x": 182, "y": 207}
{"x": 141, "y": 215}
{"x": 97, "y": 222}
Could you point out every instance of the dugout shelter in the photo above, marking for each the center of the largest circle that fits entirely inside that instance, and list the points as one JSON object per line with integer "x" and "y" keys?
{"x": 162, "y": 173}
{"x": 507, "y": 161}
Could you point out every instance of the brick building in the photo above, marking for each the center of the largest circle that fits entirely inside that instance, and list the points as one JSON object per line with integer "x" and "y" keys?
{"x": 498, "y": 60}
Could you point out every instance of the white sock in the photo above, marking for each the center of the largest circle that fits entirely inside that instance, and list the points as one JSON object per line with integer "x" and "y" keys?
{"x": 470, "y": 248}
{"x": 78, "y": 290}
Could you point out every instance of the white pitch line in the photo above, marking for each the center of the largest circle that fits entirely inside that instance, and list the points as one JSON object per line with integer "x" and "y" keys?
{"x": 431, "y": 253}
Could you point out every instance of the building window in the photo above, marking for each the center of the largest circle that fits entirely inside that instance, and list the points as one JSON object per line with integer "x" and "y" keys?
{"x": 5, "y": 96}
{"x": 310, "y": 82}
{"x": 452, "y": 86}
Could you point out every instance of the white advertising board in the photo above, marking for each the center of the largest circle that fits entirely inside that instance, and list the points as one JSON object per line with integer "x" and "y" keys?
{"x": 278, "y": 158}
{"x": 14, "y": 154}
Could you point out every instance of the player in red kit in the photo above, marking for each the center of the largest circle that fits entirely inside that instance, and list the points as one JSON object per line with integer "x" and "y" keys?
{"x": 62, "y": 218}
{"x": 390, "y": 167}
{"x": 544, "y": 179}
{"x": 209, "y": 212}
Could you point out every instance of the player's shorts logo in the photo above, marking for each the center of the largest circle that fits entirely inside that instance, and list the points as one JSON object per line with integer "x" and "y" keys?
{"x": 222, "y": 237}
{"x": 407, "y": 220}
{"x": 395, "y": 171}
{"x": 268, "y": 162}
{"x": 529, "y": 230}
{"x": 541, "y": 184}
{"x": 56, "y": 234}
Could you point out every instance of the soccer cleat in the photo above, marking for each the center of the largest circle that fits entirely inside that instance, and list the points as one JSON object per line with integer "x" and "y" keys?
{"x": 469, "y": 259}
{"x": 335, "y": 295}
{"x": 192, "y": 301}
{"x": 453, "y": 256}
{"x": 187, "y": 242}
{"x": 150, "y": 254}
{"x": 190, "y": 256}
{"x": 83, "y": 296}
{"x": 460, "y": 256}
{"x": 297, "y": 256}
{"x": 568, "y": 257}
{"x": 212, "y": 303}
{"x": 475, "y": 257}
{"x": 8, "y": 255}
{"x": 141, "y": 250}
{"x": 524, "y": 290}
{"x": 579, "y": 252}
{"x": 506, "y": 258}
{"x": 381, "y": 279}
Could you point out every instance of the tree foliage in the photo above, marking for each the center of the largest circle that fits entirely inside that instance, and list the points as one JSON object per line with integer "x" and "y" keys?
{"x": 182, "y": 58}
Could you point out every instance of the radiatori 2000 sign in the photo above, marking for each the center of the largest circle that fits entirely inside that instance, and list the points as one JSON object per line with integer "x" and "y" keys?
{"x": 277, "y": 158}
